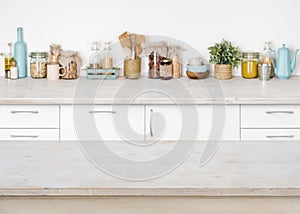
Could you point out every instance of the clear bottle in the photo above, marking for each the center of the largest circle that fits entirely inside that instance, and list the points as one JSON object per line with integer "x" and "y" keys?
{"x": 266, "y": 57}
{"x": 175, "y": 56}
{"x": 107, "y": 59}
{"x": 8, "y": 58}
{"x": 20, "y": 54}
{"x": 94, "y": 59}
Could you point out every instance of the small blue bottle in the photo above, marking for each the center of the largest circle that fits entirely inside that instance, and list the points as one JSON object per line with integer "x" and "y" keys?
{"x": 20, "y": 54}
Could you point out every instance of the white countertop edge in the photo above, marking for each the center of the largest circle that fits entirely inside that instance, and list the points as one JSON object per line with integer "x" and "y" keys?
{"x": 147, "y": 101}
{"x": 155, "y": 192}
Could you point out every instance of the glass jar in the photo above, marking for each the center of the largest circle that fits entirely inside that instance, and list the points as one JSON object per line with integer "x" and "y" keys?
{"x": 166, "y": 69}
{"x": 154, "y": 67}
{"x": 38, "y": 64}
{"x": 250, "y": 65}
{"x": 94, "y": 59}
{"x": 70, "y": 72}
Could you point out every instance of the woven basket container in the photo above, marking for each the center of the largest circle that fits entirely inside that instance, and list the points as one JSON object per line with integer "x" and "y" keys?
{"x": 223, "y": 72}
{"x": 132, "y": 68}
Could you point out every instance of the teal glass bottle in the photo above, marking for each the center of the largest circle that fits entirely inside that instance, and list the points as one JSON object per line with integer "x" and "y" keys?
{"x": 20, "y": 54}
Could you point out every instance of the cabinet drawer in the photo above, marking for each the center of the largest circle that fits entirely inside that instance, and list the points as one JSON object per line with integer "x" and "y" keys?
{"x": 88, "y": 122}
{"x": 270, "y": 134}
{"x": 270, "y": 116}
{"x": 29, "y": 134}
{"x": 29, "y": 116}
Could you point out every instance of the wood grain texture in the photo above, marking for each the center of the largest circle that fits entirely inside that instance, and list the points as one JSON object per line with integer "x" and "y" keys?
{"x": 237, "y": 169}
{"x": 234, "y": 91}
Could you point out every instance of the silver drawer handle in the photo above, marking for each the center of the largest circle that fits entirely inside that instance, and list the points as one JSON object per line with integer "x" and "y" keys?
{"x": 280, "y": 136}
{"x": 24, "y": 112}
{"x": 102, "y": 112}
{"x": 24, "y": 136}
{"x": 279, "y": 112}
{"x": 151, "y": 116}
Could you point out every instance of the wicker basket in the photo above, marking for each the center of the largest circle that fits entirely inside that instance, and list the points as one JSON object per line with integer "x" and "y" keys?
{"x": 132, "y": 68}
{"x": 223, "y": 72}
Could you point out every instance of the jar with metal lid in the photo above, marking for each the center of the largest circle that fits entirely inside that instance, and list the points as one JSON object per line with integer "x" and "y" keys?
{"x": 166, "y": 69}
{"x": 250, "y": 64}
{"x": 38, "y": 64}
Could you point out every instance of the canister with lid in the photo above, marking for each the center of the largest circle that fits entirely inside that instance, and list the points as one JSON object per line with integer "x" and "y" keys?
{"x": 38, "y": 64}
{"x": 250, "y": 64}
{"x": 166, "y": 69}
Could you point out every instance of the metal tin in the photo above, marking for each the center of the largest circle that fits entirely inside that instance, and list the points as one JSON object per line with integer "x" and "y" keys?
{"x": 265, "y": 71}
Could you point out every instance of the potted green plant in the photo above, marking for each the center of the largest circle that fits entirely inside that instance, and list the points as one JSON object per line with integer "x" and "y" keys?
{"x": 225, "y": 57}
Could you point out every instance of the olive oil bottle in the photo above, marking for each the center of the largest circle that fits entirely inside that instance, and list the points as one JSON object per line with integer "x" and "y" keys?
{"x": 8, "y": 58}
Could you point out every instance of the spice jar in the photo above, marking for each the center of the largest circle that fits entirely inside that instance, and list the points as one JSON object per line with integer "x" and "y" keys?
{"x": 38, "y": 64}
{"x": 166, "y": 69}
{"x": 250, "y": 64}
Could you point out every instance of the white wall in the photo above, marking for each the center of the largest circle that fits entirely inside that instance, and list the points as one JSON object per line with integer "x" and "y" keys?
{"x": 75, "y": 24}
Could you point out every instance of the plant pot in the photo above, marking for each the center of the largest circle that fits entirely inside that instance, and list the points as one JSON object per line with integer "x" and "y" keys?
{"x": 223, "y": 72}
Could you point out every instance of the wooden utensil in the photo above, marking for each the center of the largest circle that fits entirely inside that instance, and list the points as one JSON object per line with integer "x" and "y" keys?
{"x": 124, "y": 40}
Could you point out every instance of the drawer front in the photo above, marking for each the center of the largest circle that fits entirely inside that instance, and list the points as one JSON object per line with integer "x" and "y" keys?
{"x": 88, "y": 122}
{"x": 270, "y": 134}
{"x": 29, "y": 116}
{"x": 29, "y": 134}
{"x": 270, "y": 116}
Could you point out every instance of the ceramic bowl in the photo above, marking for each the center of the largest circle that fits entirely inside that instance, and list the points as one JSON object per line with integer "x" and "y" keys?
{"x": 197, "y": 75}
{"x": 197, "y": 68}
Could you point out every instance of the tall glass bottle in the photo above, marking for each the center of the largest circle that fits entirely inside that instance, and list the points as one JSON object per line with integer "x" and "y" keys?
{"x": 8, "y": 58}
{"x": 107, "y": 60}
{"x": 20, "y": 54}
{"x": 266, "y": 57}
{"x": 94, "y": 59}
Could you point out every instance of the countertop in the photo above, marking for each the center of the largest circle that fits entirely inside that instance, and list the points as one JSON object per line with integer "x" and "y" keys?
{"x": 237, "y": 169}
{"x": 148, "y": 91}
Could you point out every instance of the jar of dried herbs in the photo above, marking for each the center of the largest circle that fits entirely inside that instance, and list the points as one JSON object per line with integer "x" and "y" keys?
{"x": 250, "y": 65}
{"x": 38, "y": 64}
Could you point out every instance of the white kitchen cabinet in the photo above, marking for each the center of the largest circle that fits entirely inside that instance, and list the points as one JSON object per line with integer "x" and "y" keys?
{"x": 29, "y": 116}
{"x": 106, "y": 122}
{"x": 29, "y": 134}
{"x": 219, "y": 122}
{"x": 29, "y": 122}
{"x": 270, "y": 134}
{"x": 270, "y": 116}
{"x": 270, "y": 122}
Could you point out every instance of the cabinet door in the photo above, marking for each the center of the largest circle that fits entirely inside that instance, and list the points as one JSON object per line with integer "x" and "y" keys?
{"x": 219, "y": 122}
{"x": 214, "y": 122}
{"x": 163, "y": 122}
{"x": 106, "y": 122}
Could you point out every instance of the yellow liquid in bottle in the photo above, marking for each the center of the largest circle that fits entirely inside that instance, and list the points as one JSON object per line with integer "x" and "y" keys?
{"x": 7, "y": 62}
